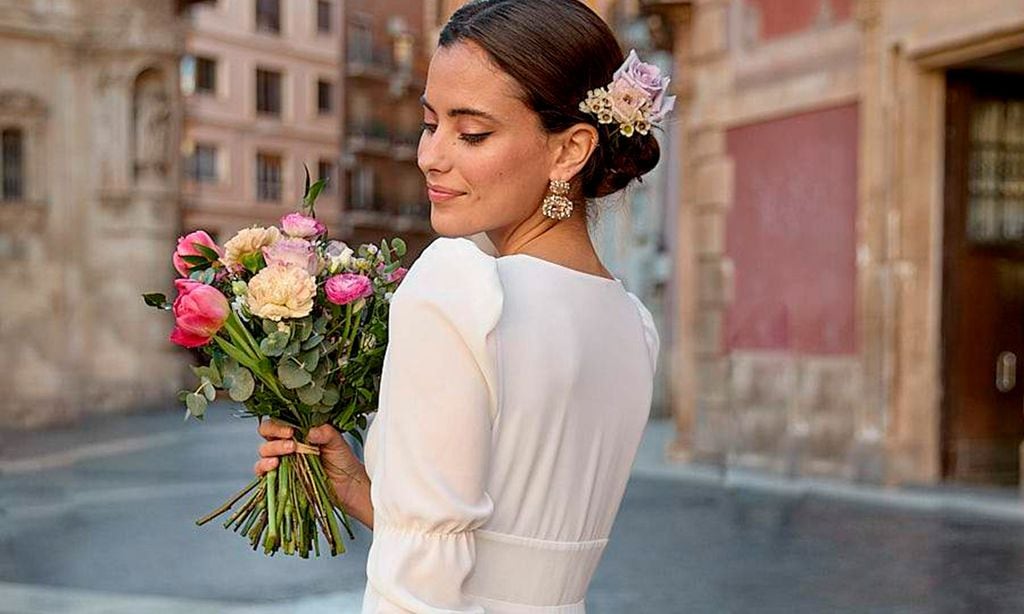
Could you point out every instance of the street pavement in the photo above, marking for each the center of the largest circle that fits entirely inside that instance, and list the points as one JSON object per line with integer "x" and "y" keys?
{"x": 98, "y": 518}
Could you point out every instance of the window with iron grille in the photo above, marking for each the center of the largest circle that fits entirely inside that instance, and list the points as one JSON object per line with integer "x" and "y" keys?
{"x": 201, "y": 166}
{"x": 206, "y": 75}
{"x": 326, "y": 170}
{"x": 268, "y": 16}
{"x": 12, "y": 152}
{"x": 268, "y": 177}
{"x": 324, "y": 96}
{"x": 323, "y": 17}
{"x": 268, "y": 91}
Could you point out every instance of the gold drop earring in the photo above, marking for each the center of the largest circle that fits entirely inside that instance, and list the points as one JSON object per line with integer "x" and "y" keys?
{"x": 556, "y": 203}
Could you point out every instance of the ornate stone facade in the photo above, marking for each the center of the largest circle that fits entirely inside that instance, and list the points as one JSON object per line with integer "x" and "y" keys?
{"x": 871, "y": 409}
{"x": 91, "y": 87}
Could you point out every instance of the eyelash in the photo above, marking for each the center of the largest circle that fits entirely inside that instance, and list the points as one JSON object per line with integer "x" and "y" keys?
{"x": 472, "y": 139}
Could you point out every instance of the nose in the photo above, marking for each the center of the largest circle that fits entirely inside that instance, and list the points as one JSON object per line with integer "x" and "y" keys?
{"x": 433, "y": 154}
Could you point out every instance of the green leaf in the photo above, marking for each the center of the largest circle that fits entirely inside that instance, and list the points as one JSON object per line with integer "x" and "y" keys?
{"x": 209, "y": 372}
{"x": 320, "y": 325}
{"x": 366, "y": 394}
{"x": 253, "y": 262}
{"x": 309, "y": 201}
{"x": 207, "y": 389}
{"x": 292, "y": 349}
{"x": 156, "y": 299}
{"x": 303, "y": 329}
{"x": 269, "y": 327}
{"x": 399, "y": 246}
{"x": 208, "y": 276}
{"x": 242, "y": 385}
{"x": 293, "y": 376}
{"x": 210, "y": 254}
{"x": 275, "y": 343}
{"x": 313, "y": 341}
{"x": 331, "y": 396}
{"x": 310, "y": 394}
{"x": 196, "y": 404}
{"x": 195, "y": 260}
{"x": 310, "y": 359}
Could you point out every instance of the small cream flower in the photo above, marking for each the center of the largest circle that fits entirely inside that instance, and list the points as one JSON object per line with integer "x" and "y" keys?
{"x": 281, "y": 291}
{"x": 247, "y": 242}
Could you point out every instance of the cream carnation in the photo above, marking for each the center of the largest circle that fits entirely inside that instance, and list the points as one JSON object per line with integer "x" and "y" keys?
{"x": 280, "y": 291}
{"x": 247, "y": 242}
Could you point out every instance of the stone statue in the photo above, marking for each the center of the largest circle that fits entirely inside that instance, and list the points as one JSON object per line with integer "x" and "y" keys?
{"x": 152, "y": 127}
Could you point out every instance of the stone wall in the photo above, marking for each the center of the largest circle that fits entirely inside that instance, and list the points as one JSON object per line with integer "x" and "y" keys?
{"x": 99, "y": 214}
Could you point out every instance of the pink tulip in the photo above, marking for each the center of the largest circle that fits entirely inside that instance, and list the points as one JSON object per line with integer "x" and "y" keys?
{"x": 347, "y": 287}
{"x": 199, "y": 312}
{"x": 301, "y": 227}
{"x": 186, "y": 248}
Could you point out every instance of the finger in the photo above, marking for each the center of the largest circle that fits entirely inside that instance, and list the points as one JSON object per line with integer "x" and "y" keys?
{"x": 264, "y": 465}
{"x": 272, "y": 429}
{"x": 324, "y": 434}
{"x": 277, "y": 447}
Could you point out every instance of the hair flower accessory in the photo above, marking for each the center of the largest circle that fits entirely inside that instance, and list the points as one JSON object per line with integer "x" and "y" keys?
{"x": 635, "y": 99}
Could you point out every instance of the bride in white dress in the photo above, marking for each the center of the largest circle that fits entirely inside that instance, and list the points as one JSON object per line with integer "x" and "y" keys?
{"x": 516, "y": 387}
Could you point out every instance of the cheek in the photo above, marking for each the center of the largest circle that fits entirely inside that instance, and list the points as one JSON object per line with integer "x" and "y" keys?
{"x": 507, "y": 175}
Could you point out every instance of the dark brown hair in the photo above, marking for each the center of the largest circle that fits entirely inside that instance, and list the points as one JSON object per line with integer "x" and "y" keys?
{"x": 558, "y": 50}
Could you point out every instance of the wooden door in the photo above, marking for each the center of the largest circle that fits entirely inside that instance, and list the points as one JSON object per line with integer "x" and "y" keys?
{"x": 983, "y": 279}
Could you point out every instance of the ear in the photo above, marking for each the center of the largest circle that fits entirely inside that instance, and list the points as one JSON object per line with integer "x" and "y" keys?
{"x": 571, "y": 149}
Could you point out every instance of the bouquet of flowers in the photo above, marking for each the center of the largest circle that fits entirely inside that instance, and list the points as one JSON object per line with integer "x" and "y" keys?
{"x": 294, "y": 327}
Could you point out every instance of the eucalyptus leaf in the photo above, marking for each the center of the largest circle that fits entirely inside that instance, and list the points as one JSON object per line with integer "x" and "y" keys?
{"x": 320, "y": 325}
{"x": 242, "y": 385}
{"x": 331, "y": 396}
{"x": 269, "y": 327}
{"x": 208, "y": 390}
{"x": 196, "y": 404}
{"x": 314, "y": 340}
{"x": 293, "y": 376}
{"x": 310, "y": 359}
{"x": 275, "y": 343}
{"x": 292, "y": 349}
{"x": 310, "y": 394}
{"x": 399, "y": 246}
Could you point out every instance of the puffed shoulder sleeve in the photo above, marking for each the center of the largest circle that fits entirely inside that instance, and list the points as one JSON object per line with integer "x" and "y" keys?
{"x": 431, "y": 452}
{"x": 651, "y": 336}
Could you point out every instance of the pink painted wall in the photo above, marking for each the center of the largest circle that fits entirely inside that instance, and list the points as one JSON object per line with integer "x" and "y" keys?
{"x": 791, "y": 233}
{"x": 782, "y": 17}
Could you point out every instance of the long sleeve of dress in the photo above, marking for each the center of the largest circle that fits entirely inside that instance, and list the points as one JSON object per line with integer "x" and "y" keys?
{"x": 432, "y": 446}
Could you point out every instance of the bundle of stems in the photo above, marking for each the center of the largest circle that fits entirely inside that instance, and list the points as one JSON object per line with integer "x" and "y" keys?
{"x": 285, "y": 507}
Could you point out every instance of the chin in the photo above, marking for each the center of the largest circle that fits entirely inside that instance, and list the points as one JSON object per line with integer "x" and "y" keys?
{"x": 449, "y": 224}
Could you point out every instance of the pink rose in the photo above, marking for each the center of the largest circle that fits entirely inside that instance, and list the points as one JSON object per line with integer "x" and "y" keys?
{"x": 626, "y": 101}
{"x": 199, "y": 312}
{"x": 293, "y": 252}
{"x": 648, "y": 78}
{"x": 347, "y": 287}
{"x": 186, "y": 247}
{"x": 397, "y": 275}
{"x": 301, "y": 226}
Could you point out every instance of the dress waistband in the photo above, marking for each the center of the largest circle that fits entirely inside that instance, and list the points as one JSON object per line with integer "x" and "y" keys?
{"x": 533, "y": 572}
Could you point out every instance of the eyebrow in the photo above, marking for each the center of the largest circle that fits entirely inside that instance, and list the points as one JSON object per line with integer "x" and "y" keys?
{"x": 461, "y": 111}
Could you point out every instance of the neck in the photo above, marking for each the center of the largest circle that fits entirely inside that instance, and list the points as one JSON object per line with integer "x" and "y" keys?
{"x": 566, "y": 241}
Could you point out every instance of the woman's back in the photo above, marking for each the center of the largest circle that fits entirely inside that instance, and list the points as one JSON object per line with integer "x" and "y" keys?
{"x": 551, "y": 376}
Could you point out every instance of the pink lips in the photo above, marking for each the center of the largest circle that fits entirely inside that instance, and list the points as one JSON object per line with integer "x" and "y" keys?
{"x": 438, "y": 194}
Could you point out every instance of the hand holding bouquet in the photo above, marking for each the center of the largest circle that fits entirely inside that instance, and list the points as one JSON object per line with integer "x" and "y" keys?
{"x": 294, "y": 327}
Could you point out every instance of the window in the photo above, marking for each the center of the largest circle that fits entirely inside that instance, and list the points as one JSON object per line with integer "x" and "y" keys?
{"x": 323, "y": 17}
{"x": 363, "y": 188}
{"x": 326, "y": 170}
{"x": 268, "y": 92}
{"x": 12, "y": 164}
{"x": 206, "y": 75}
{"x": 268, "y": 16}
{"x": 324, "y": 96}
{"x": 268, "y": 177}
{"x": 201, "y": 166}
{"x": 360, "y": 42}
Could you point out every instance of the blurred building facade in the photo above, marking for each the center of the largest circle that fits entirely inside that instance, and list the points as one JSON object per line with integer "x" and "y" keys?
{"x": 386, "y": 55}
{"x": 850, "y": 269}
{"x": 89, "y": 205}
{"x": 262, "y": 82}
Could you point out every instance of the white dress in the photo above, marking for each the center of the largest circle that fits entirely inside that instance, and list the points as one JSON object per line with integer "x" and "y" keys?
{"x": 513, "y": 398}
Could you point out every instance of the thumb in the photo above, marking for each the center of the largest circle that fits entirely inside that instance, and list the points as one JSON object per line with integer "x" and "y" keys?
{"x": 325, "y": 435}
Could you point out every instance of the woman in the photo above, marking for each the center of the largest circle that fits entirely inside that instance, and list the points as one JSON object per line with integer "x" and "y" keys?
{"x": 516, "y": 388}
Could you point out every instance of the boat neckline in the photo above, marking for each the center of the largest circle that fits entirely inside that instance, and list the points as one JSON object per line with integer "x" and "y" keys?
{"x": 608, "y": 280}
